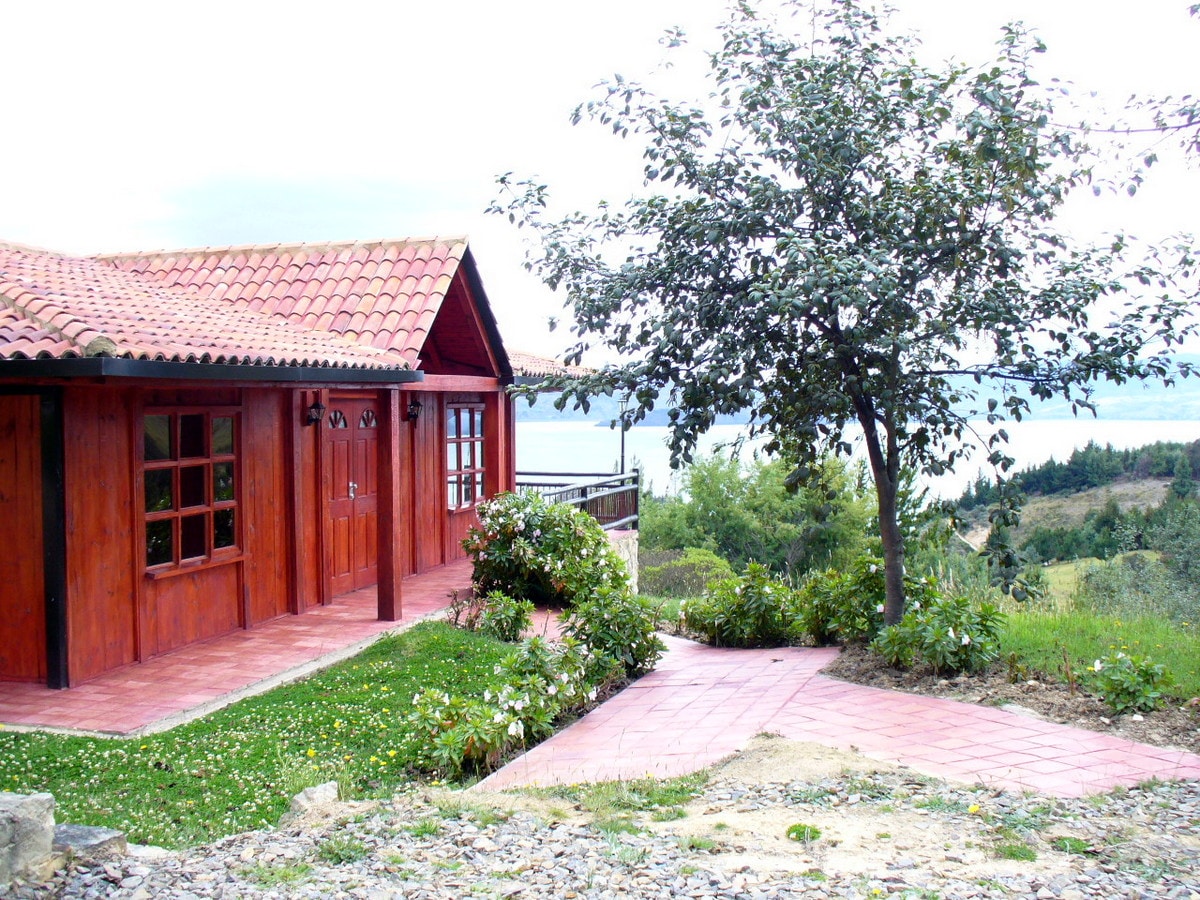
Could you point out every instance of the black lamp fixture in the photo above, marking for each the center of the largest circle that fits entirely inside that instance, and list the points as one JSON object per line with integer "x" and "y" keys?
{"x": 414, "y": 410}
{"x": 316, "y": 413}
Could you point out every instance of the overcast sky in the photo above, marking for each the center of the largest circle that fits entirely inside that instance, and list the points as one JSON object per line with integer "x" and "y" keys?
{"x": 145, "y": 125}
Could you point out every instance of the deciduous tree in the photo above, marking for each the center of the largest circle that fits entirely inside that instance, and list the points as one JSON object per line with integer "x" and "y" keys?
{"x": 840, "y": 238}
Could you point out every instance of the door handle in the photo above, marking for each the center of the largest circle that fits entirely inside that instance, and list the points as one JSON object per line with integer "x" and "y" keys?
{"x": 353, "y": 489}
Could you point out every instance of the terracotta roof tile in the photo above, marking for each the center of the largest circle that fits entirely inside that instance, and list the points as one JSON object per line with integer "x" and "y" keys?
{"x": 52, "y": 305}
{"x": 336, "y": 280}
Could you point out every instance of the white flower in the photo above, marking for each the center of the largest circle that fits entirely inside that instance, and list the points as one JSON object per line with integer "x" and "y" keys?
{"x": 1097, "y": 666}
{"x": 874, "y": 568}
{"x": 879, "y": 608}
{"x": 516, "y": 728}
{"x": 966, "y": 640}
{"x": 950, "y": 631}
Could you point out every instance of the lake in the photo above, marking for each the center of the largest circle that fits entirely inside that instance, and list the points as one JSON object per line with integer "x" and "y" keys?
{"x": 585, "y": 447}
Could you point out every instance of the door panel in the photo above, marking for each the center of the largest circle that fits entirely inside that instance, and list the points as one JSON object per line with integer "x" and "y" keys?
{"x": 22, "y": 600}
{"x": 351, "y": 432}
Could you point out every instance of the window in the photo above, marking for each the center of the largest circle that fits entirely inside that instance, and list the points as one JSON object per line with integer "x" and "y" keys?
{"x": 189, "y": 472}
{"x": 464, "y": 456}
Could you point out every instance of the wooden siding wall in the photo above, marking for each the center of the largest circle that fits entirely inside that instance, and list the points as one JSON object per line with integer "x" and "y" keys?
{"x": 102, "y": 535}
{"x": 22, "y": 599}
{"x": 265, "y": 496}
{"x": 429, "y": 483}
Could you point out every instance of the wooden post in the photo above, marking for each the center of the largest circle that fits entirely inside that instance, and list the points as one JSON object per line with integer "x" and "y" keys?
{"x": 389, "y": 510}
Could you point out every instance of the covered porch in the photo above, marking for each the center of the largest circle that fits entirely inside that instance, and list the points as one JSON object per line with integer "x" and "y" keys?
{"x": 196, "y": 679}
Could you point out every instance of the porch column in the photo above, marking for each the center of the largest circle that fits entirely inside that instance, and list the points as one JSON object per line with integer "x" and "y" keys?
{"x": 389, "y": 517}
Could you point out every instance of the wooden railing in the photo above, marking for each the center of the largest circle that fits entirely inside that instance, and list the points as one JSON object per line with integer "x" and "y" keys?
{"x": 611, "y": 499}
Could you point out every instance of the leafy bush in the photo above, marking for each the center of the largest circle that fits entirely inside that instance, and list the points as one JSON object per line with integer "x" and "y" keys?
{"x": 682, "y": 573}
{"x": 619, "y": 631}
{"x": 1136, "y": 584}
{"x": 532, "y": 688}
{"x": 948, "y": 634}
{"x": 755, "y": 610}
{"x": 504, "y": 618}
{"x": 550, "y": 554}
{"x": 839, "y": 607}
{"x": 1128, "y": 683}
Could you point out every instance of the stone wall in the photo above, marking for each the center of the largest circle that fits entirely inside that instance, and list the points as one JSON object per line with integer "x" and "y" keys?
{"x": 626, "y": 545}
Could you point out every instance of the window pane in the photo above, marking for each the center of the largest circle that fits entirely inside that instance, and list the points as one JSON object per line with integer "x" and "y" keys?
{"x": 477, "y": 423}
{"x": 157, "y": 437}
{"x": 193, "y": 536}
{"x": 191, "y": 486}
{"x": 478, "y": 485}
{"x": 468, "y": 455}
{"x": 159, "y": 495}
{"x": 468, "y": 490}
{"x": 191, "y": 436}
{"x": 223, "y": 528}
{"x": 452, "y": 492}
{"x": 160, "y": 544}
{"x": 452, "y": 423}
{"x": 452, "y": 458}
{"x": 222, "y": 481}
{"x": 222, "y": 435}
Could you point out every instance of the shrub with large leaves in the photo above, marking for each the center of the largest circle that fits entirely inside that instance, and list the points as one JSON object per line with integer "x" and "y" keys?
{"x": 754, "y": 610}
{"x": 548, "y": 553}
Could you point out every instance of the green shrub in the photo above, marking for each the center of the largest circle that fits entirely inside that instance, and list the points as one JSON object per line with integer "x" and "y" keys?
{"x": 948, "y": 634}
{"x": 619, "y": 631}
{"x": 755, "y": 610}
{"x": 1128, "y": 683}
{"x": 840, "y": 607}
{"x": 533, "y": 687}
{"x": 682, "y": 573}
{"x": 550, "y": 554}
{"x": 504, "y": 618}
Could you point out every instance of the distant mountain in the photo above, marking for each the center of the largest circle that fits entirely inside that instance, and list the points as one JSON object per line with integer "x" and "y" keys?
{"x": 1135, "y": 400}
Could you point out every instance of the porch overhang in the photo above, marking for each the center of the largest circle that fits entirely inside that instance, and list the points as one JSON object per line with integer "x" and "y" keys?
{"x": 171, "y": 370}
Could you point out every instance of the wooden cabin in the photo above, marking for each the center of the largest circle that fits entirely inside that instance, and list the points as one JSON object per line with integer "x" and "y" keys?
{"x": 199, "y": 441}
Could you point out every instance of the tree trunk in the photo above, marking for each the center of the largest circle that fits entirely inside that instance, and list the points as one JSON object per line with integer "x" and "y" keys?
{"x": 885, "y": 470}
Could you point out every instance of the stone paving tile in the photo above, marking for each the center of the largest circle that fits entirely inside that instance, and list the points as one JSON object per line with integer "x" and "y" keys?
{"x": 649, "y": 728}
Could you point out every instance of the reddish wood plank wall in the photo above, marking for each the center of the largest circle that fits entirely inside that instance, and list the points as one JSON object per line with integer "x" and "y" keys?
{"x": 22, "y": 598}
{"x": 102, "y": 533}
{"x": 266, "y": 503}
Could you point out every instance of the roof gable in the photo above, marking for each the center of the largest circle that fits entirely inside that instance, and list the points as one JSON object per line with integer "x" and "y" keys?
{"x": 417, "y": 299}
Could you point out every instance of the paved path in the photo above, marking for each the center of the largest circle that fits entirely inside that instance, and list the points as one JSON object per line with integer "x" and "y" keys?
{"x": 703, "y": 703}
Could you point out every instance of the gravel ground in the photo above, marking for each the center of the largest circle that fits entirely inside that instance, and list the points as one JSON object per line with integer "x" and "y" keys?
{"x": 887, "y": 832}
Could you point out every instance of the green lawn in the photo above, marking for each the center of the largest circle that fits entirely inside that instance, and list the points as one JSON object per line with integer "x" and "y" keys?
{"x": 237, "y": 769}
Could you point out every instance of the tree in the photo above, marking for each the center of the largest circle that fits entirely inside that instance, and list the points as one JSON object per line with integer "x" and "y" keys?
{"x": 838, "y": 236}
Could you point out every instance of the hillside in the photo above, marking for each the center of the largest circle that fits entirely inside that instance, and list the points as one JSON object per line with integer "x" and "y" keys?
{"x": 1070, "y": 510}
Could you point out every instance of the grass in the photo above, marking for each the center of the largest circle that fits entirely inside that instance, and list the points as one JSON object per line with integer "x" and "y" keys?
{"x": 1038, "y": 638}
{"x": 237, "y": 769}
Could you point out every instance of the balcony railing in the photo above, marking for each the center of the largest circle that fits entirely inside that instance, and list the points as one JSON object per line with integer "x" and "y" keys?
{"x": 611, "y": 499}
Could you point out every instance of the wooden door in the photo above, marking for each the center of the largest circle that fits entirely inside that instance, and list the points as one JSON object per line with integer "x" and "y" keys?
{"x": 351, "y": 437}
{"x": 22, "y": 595}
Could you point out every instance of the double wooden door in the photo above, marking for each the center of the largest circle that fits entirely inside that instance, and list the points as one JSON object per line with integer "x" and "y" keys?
{"x": 351, "y": 442}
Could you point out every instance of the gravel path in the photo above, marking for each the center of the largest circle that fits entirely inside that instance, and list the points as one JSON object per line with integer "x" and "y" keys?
{"x": 1141, "y": 842}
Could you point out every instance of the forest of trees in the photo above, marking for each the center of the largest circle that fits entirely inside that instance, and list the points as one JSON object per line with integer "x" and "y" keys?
{"x": 1091, "y": 467}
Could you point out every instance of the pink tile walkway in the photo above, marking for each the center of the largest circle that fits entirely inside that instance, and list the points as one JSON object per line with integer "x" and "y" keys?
{"x": 199, "y": 678}
{"x": 702, "y": 704}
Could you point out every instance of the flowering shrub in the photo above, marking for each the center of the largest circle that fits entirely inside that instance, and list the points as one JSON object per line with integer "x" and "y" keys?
{"x": 1128, "y": 683}
{"x": 838, "y": 607}
{"x": 948, "y": 634}
{"x": 504, "y": 618}
{"x": 532, "y": 688}
{"x": 552, "y": 554}
{"x": 619, "y": 629}
{"x": 755, "y": 610}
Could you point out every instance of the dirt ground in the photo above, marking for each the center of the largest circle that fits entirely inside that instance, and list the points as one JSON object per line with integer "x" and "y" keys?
{"x": 1172, "y": 726}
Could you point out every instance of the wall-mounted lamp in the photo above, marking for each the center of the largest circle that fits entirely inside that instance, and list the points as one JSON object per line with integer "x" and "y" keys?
{"x": 414, "y": 410}
{"x": 316, "y": 413}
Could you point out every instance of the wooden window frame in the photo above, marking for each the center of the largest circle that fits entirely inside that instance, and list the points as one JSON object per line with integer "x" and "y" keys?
{"x": 466, "y": 472}
{"x": 192, "y": 480}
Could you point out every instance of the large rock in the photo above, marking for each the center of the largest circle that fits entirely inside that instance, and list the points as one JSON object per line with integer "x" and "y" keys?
{"x": 26, "y": 837}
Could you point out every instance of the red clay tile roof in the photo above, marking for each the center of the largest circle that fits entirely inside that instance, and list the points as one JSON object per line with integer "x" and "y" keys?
{"x": 56, "y": 306}
{"x": 531, "y": 366}
{"x": 383, "y": 294}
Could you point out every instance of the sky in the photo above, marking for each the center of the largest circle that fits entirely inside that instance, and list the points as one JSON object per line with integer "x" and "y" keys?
{"x": 147, "y": 125}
